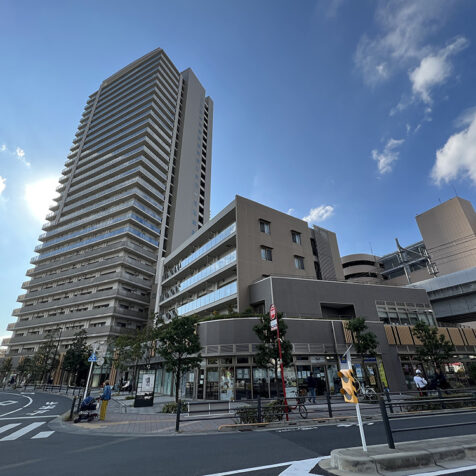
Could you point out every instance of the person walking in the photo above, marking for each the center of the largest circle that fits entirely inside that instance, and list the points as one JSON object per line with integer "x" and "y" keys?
{"x": 105, "y": 397}
{"x": 311, "y": 388}
{"x": 420, "y": 382}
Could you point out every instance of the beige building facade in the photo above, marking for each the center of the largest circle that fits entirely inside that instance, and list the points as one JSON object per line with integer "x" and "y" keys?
{"x": 136, "y": 183}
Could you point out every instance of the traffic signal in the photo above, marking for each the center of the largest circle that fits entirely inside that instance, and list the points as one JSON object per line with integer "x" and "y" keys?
{"x": 350, "y": 386}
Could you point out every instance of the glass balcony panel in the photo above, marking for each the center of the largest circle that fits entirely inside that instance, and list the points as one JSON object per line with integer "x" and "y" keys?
{"x": 210, "y": 298}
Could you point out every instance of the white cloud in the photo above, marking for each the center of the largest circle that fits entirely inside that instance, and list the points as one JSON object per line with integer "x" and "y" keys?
{"x": 389, "y": 155}
{"x": 320, "y": 213}
{"x": 290, "y": 211}
{"x": 458, "y": 156}
{"x": 19, "y": 154}
{"x": 39, "y": 196}
{"x": 434, "y": 69}
{"x": 2, "y": 184}
{"x": 403, "y": 28}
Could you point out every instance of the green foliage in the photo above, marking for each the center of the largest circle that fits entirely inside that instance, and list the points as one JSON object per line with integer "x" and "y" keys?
{"x": 365, "y": 341}
{"x": 268, "y": 351}
{"x": 171, "y": 407}
{"x": 472, "y": 372}
{"x": 5, "y": 367}
{"x": 272, "y": 411}
{"x": 46, "y": 358}
{"x": 24, "y": 368}
{"x": 130, "y": 349}
{"x": 180, "y": 348}
{"x": 435, "y": 348}
{"x": 267, "y": 356}
{"x": 76, "y": 357}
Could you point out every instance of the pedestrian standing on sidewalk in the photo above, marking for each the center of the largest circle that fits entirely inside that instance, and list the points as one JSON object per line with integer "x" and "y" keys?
{"x": 420, "y": 383}
{"x": 105, "y": 397}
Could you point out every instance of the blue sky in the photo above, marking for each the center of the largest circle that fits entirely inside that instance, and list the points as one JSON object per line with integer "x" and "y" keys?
{"x": 355, "y": 114}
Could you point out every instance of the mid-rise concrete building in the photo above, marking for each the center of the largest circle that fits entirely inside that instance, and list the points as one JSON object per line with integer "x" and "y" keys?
{"x": 249, "y": 256}
{"x": 135, "y": 185}
{"x": 245, "y": 242}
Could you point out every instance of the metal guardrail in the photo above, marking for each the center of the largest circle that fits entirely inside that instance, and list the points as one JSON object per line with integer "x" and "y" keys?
{"x": 421, "y": 401}
{"x": 261, "y": 409}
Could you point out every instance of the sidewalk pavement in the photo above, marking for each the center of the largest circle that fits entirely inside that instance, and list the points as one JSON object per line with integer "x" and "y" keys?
{"x": 122, "y": 419}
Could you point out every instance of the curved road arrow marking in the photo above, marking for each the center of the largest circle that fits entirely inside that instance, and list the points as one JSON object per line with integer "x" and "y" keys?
{"x": 18, "y": 409}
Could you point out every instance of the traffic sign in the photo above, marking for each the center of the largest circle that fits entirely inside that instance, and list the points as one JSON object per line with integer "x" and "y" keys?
{"x": 272, "y": 312}
{"x": 93, "y": 358}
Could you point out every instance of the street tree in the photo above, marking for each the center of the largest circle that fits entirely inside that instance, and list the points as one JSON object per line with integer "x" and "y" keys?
{"x": 365, "y": 342}
{"x": 434, "y": 348}
{"x": 24, "y": 369}
{"x": 5, "y": 367}
{"x": 130, "y": 349}
{"x": 46, "y": 358}
{"x": 179, "y": 346}
{"x": 267, "y": 356}
{"x": 76, "y": 358}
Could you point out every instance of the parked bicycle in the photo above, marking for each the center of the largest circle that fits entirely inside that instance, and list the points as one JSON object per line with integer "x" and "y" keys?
{"x": 367, "y": 393}
{"x": 300, "y": 406}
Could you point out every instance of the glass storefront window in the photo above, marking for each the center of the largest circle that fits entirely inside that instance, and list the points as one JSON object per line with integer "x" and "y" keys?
{"x": 211, "y": 392}
{"x": 260, "y": 383}
{"x": 243, "y": 383}
{"x": 227, "y": 383}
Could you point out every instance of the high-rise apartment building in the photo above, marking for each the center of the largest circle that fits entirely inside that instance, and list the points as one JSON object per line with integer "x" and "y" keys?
{"x": 135, "y": 185}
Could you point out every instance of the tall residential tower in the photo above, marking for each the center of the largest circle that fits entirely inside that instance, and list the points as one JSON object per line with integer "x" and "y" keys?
{"x": 135, "y": 185}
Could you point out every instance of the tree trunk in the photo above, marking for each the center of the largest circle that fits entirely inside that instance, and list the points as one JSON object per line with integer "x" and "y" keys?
{"x": 364, "y": 369}
{"x": 177, "y": 384}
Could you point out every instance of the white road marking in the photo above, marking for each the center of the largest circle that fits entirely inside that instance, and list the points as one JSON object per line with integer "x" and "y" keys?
{"x": 30, "y": 417}
{"x": 42, "y": 434}
{"x": 18, "y": 409}
{"x": 300, "y": 468}
{"x": 22, "y": 431}
{"x": 446, "y": 471}
{"x": 5, "y": 428}
{"x": 295, "y": 468}
{"x": 8, "y": 402}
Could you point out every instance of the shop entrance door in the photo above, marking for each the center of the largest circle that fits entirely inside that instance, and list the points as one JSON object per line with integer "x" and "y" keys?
{"x": 320, "y": 374}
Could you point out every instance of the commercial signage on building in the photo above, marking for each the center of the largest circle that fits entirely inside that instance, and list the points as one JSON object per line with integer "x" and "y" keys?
{"x": 273, "y": 317}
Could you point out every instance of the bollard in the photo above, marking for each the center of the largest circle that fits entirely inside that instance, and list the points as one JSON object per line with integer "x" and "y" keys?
{"x": 179, "y": 409}
{"x": 440, "y": 396}
{"x": 79, "y": 402}
{"x": 329, "y": 404}
{"x": 387, "y": 394}
{"x": 72, "y": 408}
{"x": 260, "y": 416}
{"x": 386, "y": 424}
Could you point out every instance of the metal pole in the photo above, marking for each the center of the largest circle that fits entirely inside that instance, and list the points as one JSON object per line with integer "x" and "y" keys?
{"x": 386, "y": 424}
{"x": 361, "y": 428}
{"x": 282, "y": 373}
{"x": 87, "y": 381}
{"x": 329, "y": 404}
{"x": 177, "y": 421}
{"x": 259, "y": 410}
{"x": 72, "y": 408}
{"x": 387, "y": 394}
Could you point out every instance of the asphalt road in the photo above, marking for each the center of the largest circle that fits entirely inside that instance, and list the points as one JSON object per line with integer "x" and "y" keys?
{"x": 62, "y": 453}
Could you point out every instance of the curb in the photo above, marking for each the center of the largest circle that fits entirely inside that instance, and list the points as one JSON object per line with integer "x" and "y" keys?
{"x": 413, "y": 455}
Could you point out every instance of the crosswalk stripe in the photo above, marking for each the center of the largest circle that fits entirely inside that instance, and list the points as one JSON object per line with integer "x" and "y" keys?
{"x": 42, "y": 434}
{"x": 5, "y": 428}
{"x": 22, "y": 431}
